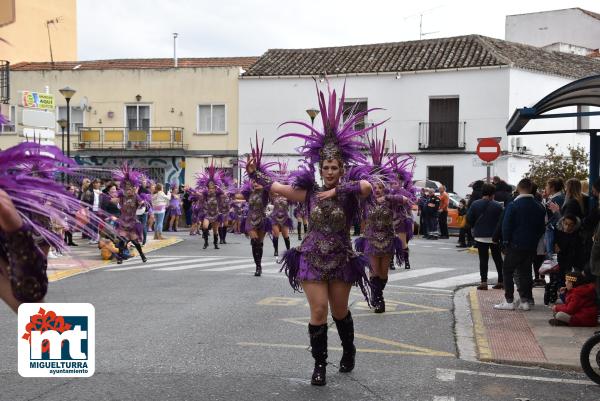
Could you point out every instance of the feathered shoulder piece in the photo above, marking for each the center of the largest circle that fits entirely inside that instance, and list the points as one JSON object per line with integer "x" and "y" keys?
{"x": 126, "y": 175}
{"x": 26, "y": 175}
{"x": 303, "y": 178}
{"x": 338, "y": 140}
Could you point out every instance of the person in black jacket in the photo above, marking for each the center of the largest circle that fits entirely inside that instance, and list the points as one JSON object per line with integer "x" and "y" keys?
{"x": 484, "y": 215}
{"x": 503, "y": 192}
{"x": 522, "y": 226}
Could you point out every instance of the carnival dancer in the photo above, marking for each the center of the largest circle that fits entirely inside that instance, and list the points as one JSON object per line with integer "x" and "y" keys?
{"x": 257, "y": 224}
{"x": 324, "y": 265}
{"x": 402, "y": 185}
{"x": 209, "y": 183}
{"x": 236, "y": 212}
{"x": 174, "y": 208}
{"x": 224, "y": 207}
{"x": 301, "y": 220}
{"x": 195, "y": 197}
{"x": 280, "y": 219}
{"x": 29, "y": 199}
{"x": 128, "y": 226}
{"x": 379, "y": 242}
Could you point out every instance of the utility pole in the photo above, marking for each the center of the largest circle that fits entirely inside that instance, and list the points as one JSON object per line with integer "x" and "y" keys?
{"x": 48, "y": 23}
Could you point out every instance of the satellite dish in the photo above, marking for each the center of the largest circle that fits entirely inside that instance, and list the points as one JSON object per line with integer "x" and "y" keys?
{"x": 83, "y": 103}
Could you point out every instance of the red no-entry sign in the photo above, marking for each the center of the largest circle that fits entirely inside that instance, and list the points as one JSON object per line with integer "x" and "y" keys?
{"x": 488, "y": 149}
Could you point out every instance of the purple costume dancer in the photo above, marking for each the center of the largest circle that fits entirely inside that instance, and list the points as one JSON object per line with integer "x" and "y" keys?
{"x": 379, "y": 241}
{"x": 324, "y": 265}
{"x": 128, "y": 226}
{"x": 280, "y": 219}
{"x": 29, "y": 199}
{"x": 209, "y": 184}
{"x": 224, "y": 207}
{"x": 403, "y": 219}
{"x": 257, "y": 224}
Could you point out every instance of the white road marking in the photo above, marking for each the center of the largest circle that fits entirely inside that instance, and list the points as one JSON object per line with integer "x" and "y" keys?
{"x": 237, "y": 267}
{"x": 447, "y": 375}
{"x": 192, "y": 265}
{"x": 416, "y": 273}
{"x": 269, "y": 271}
{"x": 456, "y": 280}
{"x": 151, "y": 264}
{"x": 408, "y": 287}
{"x": 443, "y": 398}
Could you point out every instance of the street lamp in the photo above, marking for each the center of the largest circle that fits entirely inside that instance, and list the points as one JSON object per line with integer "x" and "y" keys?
{"x": 63, "y": 124}
{"x": 68, "y": 94}
{"x": 312, "y": 113}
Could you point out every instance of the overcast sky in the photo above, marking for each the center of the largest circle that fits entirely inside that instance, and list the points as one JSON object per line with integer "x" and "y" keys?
{"x": 143, "y": 28}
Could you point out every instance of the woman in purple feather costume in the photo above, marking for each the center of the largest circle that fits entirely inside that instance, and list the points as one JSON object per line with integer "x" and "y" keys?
{"x": 324, "y": 265}
{"x": 280, "y": 216}
{"x": 379, "y": 241}
{"x": 128, "y": 225}
{"x": 257, "y": 223}
{"x": 209, "y": 183}
{"x": 236, "y": 211}
{"x": 401, "y": 185}
{"x": 224, "y": 207}
{"x": 174, "y": 208}
{"x": 301, "y": 219}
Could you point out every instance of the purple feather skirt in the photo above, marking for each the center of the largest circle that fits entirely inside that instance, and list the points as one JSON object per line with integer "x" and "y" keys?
{"x": 395, "y": 247}
{"x": 175, "y": 207}
{"x": 283, "y": 222}
{"x": 301, "y": 263}
{"x": 404, "y": 225}
{"x": 264, "y": 225}
{"x": 130, "y": 228}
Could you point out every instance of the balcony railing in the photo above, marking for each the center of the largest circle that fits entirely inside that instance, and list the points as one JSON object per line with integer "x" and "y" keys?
{"x": 442, "y": 135}
{"x": 131, "y": 139}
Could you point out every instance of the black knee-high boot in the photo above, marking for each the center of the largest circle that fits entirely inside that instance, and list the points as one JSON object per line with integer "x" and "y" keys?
{"x": 318, "y": 344}
{"x": 406, "y": 260}
{"x": 257, "y": 255}
{"x": 276, "y": 246}
{"x": 216, "y": 241}
{"x": 377, "y": 286}
{"x": 220, "y": 230}
{"x": 224, "y": 234}
{"x": 205, "y": 236}
{"x": 287, "y": 243}
{"x": 345, "y": 328}
{"x": 139, "y": 249}
{"x": 305, "y": 229}
{"x": 299, "y": 231}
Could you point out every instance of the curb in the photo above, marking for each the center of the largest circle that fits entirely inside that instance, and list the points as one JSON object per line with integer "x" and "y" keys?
{"x": 63, "y": 274}
{"x": 473, "y": 345}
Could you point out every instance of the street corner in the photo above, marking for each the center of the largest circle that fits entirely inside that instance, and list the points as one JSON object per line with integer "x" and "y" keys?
{"x": 514, "y": 337}
{"x": 87, "y": 259}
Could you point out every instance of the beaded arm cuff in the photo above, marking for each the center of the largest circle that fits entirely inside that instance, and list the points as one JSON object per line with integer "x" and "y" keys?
{"x": 262, "y": 179}
{"x": 26, "y": 265}
{"x": 350, "y": 187}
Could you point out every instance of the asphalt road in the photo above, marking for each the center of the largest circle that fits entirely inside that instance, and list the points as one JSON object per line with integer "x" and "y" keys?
{"x": 194, "y": 324}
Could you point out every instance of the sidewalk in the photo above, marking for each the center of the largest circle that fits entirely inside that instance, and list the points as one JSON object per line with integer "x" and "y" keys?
{"x": 86, "y": 257}
{"x": 523, "y": 338}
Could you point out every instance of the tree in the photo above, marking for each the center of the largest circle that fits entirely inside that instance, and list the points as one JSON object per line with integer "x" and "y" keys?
{"x": 573, "y": 164}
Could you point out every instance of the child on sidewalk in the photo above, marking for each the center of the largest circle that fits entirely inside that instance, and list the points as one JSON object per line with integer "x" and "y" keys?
{"x": 579, "y": 309}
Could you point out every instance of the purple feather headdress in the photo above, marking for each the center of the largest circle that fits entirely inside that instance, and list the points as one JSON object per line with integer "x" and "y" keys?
{"x": 210, "y": 174}
{"x": 126, "y": 175}
{"x": 256, "y": 153}
{"x": 403, "y": 166}
{"x": 383, "y": 163}
{"x": 339, "y": 140}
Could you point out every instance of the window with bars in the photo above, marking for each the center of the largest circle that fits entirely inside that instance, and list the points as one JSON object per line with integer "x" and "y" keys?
{"x": 212, "y": 118}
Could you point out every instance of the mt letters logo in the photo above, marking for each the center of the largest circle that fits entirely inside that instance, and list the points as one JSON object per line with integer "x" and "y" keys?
{"x": 56, "y": 340}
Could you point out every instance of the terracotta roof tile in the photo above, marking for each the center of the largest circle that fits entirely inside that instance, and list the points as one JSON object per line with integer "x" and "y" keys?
{"x": 472, "y": 51}
{"x": 130, "y": 64}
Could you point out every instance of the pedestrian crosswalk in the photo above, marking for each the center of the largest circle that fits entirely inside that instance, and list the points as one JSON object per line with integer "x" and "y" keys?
{"x": 432, "y": 277}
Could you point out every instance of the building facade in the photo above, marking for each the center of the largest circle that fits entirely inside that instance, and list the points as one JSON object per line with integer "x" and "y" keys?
{"x": 30, "y": 28}
{"x": 440, "y": 96}
{"x": 168, "y": 121}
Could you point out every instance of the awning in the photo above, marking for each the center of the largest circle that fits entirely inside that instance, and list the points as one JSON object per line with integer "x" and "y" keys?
{"x": 584, "y": 92}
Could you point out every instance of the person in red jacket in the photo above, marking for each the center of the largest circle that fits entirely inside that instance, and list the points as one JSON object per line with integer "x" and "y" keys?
{"x": 580, "y": 307}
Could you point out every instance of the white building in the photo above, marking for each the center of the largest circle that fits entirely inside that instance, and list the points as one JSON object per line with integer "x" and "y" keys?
{"x": 440, "y": 96}
{"x": 571, "y": 30}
